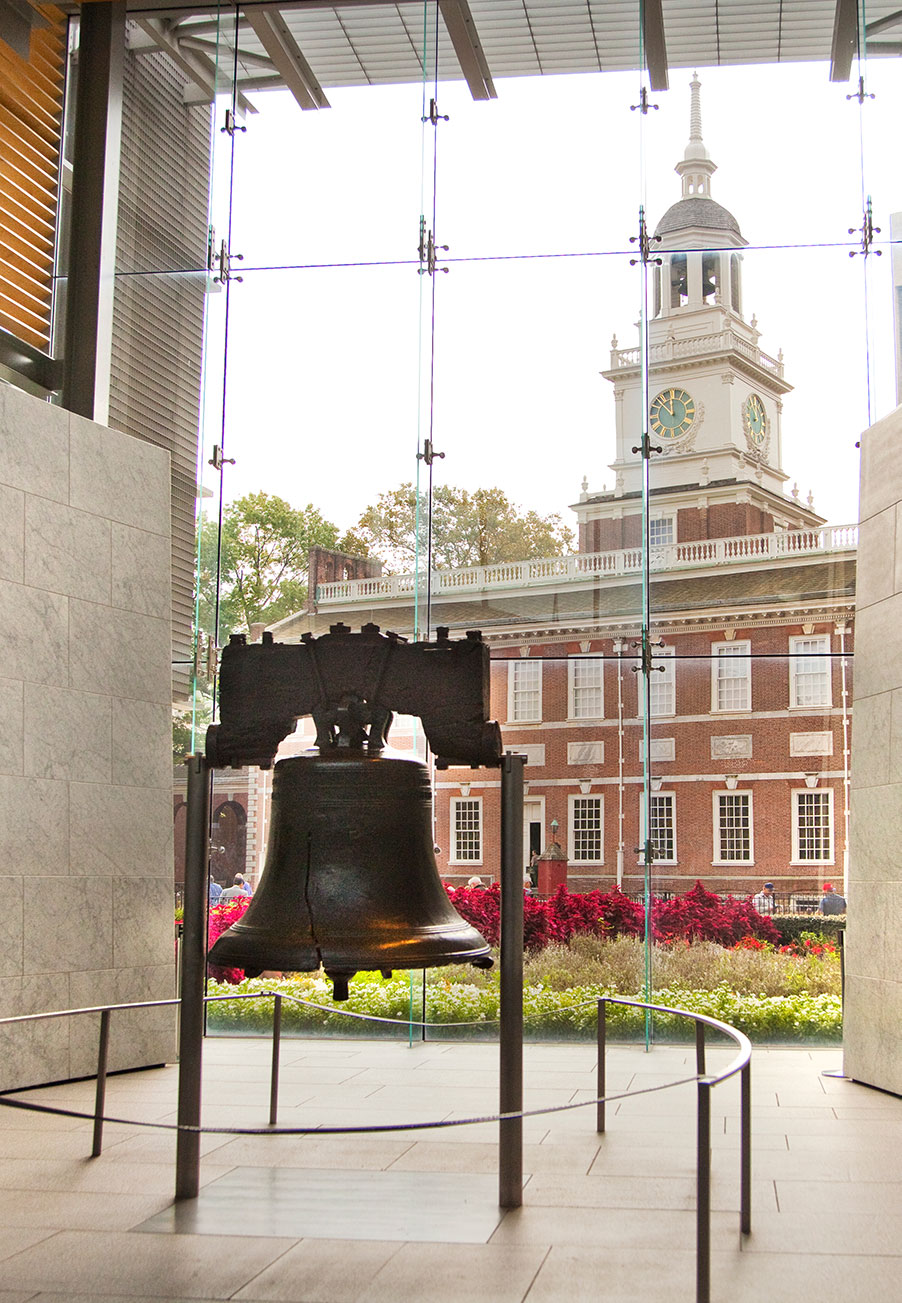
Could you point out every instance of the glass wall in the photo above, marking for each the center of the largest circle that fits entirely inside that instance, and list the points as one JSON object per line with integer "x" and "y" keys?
{"x": 582, "y": 366}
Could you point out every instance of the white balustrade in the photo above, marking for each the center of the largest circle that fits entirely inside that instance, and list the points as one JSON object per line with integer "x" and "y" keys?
{"x": 584, "y": 566}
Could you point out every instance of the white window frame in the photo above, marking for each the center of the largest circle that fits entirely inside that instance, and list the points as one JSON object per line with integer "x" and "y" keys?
{"x": 517, "y": 666}
{"x": 573, "y": 664}
{"x": 798, "y": 656}
{"x": 667, "y": 519}
{"x": 598, "y": 802}
{"x": 671, "y": 797}
{"x": 659, "y": 681}
{"x": 456, "y": 802}
{"x": 818, "y": 792}
{"x": 738, "y": 650}
{"x": 716, "y": 822}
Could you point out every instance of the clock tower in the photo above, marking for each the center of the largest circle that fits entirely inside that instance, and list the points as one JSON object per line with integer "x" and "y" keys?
{"x": 714, "y": 397}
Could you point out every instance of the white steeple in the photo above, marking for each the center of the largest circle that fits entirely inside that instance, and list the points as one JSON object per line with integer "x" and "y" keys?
{"x": 695, "y": 168}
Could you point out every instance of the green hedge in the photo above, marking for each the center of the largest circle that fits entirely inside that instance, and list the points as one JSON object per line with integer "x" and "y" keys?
{"x": 464, "y": 1011}
{"x": 791, "y": 926}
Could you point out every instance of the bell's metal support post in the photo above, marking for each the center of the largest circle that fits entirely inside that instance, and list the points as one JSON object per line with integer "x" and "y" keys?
{"x": 510, "y": 1138}
{"x": 194, "y": 950}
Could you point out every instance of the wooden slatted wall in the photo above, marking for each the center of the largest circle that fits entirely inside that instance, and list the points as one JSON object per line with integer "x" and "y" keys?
{"x": 31, "y": 107}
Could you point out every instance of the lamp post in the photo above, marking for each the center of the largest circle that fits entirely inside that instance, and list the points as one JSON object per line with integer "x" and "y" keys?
{"x": 554, "y": 827}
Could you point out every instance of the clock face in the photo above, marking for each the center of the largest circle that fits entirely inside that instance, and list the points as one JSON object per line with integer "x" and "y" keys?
{"x": 672, "y": 413}
{"x": 755, "y": 420}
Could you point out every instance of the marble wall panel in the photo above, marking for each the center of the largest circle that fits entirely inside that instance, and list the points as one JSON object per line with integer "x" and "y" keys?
{"x": 895, "y": 737}
{"x": 12, "y": 928}
{"x": 68, "y": 734}
{"x": 137, "y": 1037}
{"x": 67, "y": 551}
{"x": 119, "y": 477}
{"x": 12, "y": 534}
{"x": 34, "y": 1053}
{"x": 872, "y": 1007}
{"x": 871, "y": 740}
{"x": 12, "y": 726}
{"x": 877, "y": 628}
{"x": 875, "y": 829}
{"x": 35, "y": 445}
{"x": 142, "y": 744}
{"x": 872, "y": 1016}
{"x": 34, "y": 827}
{"x": 68, "y": 924}
{"x": 84, "y": 728}
{"x": 140, "y": 571}
{"x": 881, "y": 475}
{"x": 120, "y": 831}
{"x": 34, "y": 634}
{"x": 876, "y": 558}
{"x": 119, "y": 652}
{"x": 31, "y": 1053}
{"x": 142, "y": 921}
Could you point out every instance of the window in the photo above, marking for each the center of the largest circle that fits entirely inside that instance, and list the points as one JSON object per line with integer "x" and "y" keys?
{"x": 524, "y": 692}
{"x": 661, "y": 685}
{"x": 731, "y": 687}
{"x": 812, "y": 827}
{"x": 733, "y": 842}
{"x": 466, "y": 830}
{"x": 661, "y": 531}
{"x": 810, "y": 671}
{"x": 586, "y": 684}
{"x": 586, "y": 830}
{"x": 662, "y": 827}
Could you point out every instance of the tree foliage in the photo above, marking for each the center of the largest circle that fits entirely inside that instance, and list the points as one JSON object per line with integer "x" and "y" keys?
{"x": 468, "y": 529}
{"x": 262, "y": 560}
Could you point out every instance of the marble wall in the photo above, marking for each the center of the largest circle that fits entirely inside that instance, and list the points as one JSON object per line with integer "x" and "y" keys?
{"x": 873, "y": 992}
{"x": 85, "y": 752}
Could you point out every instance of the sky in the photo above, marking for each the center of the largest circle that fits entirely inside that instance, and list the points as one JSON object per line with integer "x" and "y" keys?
{"x": 329, "y": 379}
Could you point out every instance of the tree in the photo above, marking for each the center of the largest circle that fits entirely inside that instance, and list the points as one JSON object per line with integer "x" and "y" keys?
{"x": 468, "y": 529}
{"x": 262, "y": 561}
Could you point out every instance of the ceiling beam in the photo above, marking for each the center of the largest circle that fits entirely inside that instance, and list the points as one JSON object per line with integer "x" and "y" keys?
{"x": 467, "y": 46}
{"x": 195, "y": 65}
{"x": 210, "y": 47}
{"x": 655, "y": 44}
{"x": 881, "y": 24}
{"x": 845, "y": 39}
{"x": 272, "y": 32}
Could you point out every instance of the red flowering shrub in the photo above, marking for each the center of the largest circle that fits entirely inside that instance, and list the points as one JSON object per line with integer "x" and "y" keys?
{"x": 221, "y": 918}
{"x": 557, "y": 919}
{"x": 481, "y": 907}
{"x": 701, "y": 915}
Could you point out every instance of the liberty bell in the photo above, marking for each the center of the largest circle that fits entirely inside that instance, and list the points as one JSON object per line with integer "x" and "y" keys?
{"x": 350, "y": 880}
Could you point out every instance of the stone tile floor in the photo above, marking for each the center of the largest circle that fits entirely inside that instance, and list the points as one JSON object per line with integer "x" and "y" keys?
{"x": 346, "y": 1219}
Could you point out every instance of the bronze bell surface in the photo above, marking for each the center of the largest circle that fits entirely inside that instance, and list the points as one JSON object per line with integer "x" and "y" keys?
{"x": 350, "y": 880}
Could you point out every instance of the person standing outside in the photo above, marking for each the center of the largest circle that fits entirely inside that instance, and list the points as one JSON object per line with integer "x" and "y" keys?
{"x": 764, "y": 902}
{"x": 832, "y": 902}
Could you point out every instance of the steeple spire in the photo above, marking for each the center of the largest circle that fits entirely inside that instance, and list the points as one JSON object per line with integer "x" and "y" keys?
{"x": 695, "y": 168}
{"x": 695, "y": 118}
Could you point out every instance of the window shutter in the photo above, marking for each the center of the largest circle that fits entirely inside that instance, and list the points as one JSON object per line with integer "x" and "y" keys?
{"x": 31, "y": 108}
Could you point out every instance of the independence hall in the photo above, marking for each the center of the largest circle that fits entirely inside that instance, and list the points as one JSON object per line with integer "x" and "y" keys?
{"x": 750, "y": 597}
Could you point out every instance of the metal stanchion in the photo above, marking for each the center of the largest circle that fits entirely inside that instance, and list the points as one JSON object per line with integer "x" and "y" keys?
{"x": 274, "y": 1078}
{"x": 194, "y": 951}
{"x": 601, "y": 1030}
{"x": 103, "y": 1048}
{"x": 700, "y": 1048}
{"x": 510, "y": 1133}
{"x": 703, "y": 1210}
{"x": 745, "y": 1158}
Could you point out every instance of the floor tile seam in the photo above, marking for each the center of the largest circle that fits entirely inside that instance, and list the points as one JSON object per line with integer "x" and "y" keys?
{"x": 536, "y": 1273}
